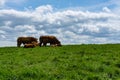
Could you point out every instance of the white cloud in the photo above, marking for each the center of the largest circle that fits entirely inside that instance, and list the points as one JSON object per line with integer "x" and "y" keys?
{"x": 3, "y": 36}
{"x": 114, "y": 5}
{"x": 2, "y": 2}
{"x": 106, "y": 9}
{"x": 43, "y": 9}
{"x": 2, "y": 32}
{"x": 69, "y": 26}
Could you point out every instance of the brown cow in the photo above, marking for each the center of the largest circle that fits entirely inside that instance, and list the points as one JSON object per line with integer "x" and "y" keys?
{"x": 25, "y": 40}
{"x": 35, "y": 43}
{"x": 31, "y": 45}
{"x": 49, "y": 39}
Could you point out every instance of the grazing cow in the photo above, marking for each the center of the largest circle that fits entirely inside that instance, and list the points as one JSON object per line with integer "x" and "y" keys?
{"x": 25, "y": 40}
{"x": 49, "y": 39}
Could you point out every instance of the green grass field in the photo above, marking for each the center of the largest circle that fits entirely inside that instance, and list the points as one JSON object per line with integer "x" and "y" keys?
{"x": 69, "y": 62}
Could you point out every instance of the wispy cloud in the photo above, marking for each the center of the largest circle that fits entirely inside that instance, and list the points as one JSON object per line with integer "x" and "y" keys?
{"x": 112, "y": 5}
{"x": 6, "y": 3}
{"x": 2, "y": 2}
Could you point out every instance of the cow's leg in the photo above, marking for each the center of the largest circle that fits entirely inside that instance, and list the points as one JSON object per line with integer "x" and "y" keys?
{"x": 24, "y": 44}
{"x": 18, "y": 44}
{"x": 44, "y": 44}
{"x": 51, "y": 44}
{"x": 40, "y": 44}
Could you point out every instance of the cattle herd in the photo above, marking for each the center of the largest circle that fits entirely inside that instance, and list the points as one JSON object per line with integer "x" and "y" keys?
{"x": 31, "y": 42}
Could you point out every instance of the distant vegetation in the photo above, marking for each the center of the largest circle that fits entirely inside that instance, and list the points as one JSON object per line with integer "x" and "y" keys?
{"x": 69, "y": 62}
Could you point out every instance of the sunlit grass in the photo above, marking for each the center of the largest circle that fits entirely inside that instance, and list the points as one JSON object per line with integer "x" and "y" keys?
{"x": 69, "y": 62}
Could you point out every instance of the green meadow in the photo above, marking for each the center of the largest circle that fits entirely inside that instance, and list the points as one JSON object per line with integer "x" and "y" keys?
{"x": 69, "y": 62}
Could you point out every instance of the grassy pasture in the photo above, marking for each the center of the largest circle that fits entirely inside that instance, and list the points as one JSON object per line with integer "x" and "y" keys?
{"x": 69, "y": 62}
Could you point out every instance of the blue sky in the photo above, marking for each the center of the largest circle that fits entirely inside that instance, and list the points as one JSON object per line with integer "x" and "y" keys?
{"x": 71, "y": 21}
{"x": 66, "y": 3}
{"x": 59, "y": 4}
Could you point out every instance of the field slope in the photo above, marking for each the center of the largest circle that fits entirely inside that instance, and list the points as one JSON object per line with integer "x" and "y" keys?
{"x": 69, "y": 62}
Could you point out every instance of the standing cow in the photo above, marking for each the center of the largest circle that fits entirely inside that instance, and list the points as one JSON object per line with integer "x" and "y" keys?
{"x": 25, "y": 40}
{"x": 49, "y": 39}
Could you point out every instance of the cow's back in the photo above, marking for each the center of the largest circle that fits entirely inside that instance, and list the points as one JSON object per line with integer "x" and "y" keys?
{"x": 27, "y": 39}
{"x": 46, "y": 39}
